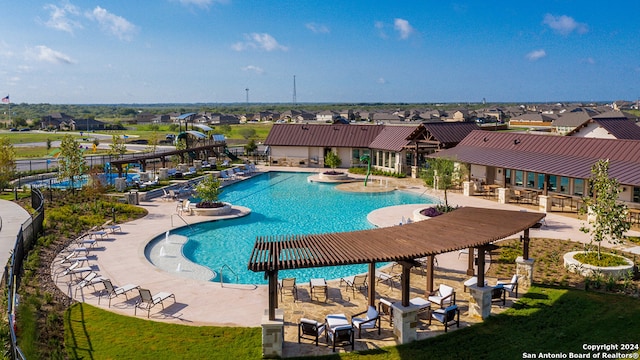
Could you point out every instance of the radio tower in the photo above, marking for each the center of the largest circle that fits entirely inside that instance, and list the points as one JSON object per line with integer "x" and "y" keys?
{"x": 247, "y": 90}
{"x": 294, "y": 91}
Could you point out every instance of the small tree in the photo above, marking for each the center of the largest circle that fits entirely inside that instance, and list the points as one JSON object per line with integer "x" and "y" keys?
{"x": 247, "y": 132}
{"x": 440, "y": 174}
{"x": 332, "y": 159}
{"x": 208, "y": 190}
{"x": 71, "y": 163}
{"x": 250, "y": 147}
{"x": 609, "y": 221}
{"x": 7, "y": 162}
{"x": 118, "y": 148}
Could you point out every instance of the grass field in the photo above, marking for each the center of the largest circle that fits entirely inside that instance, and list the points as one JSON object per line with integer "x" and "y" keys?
{"x": 546, "y": 319}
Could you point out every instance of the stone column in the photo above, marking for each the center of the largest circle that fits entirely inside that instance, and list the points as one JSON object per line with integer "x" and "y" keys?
{"x": 121, "y": 184}
{"x": 163, "y": 173}
{"x": 405, "y": 323}
{"x": 197, "y": 164}
{"x": 183, "y": 168}
{"x": 544, "y": 203}
{"x": 524, "y": 270}
{"x": 467, "y": 188}
{"x": 504, "y": 195}
{"x": 480, "y": 301}
{"x": 414, "y": 172}
{"x": 272, "y": 334}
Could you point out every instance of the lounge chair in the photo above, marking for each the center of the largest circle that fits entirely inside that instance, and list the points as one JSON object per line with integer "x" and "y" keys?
{"x": 288, "y": 284}
{"x": 310, "y": 329}
{"x": 370, "y": 321}
{"x": 445, "y": 295}
{"x": 185, "y": 207}
{"x": 147, "y": 301}
{"x": 165, "y": 195}
{"x": 112, "y": 291}
{"x": 447, "y": 316}
{"x": 224, "y": 175}
{"x": 73, "y": 269}
{"x": 72, "y": 257}
{"x": 225, "y": 163}
{"x": 386, "y": 277}
{"x": 90, "y": 280}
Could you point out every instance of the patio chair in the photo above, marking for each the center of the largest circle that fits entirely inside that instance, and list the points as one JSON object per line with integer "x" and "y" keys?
{"x": 288, "y": 284}
{"x": 386, "y": 277}
{"x": 498, "y": 294}
{"x": 447, "y": 316}
{"x": 445, "y": 295}
{"x": 422, "y": 304}
{"x": 73, "y": 269}
{"x": 511, "y": 287}
{"x": 385, "y": 308}
{"x": 73, "y": 257}
{"x": 310, "y": 329}
{"x": 370, "y": 321}
{"x": 185, "y": 207}
{"x": 112, "y": 291}
{"x": 343, "y": 335}
{"x": 355, "y": 282}
{"x": 165, "y": 195}
{"x": 147, "y": 301}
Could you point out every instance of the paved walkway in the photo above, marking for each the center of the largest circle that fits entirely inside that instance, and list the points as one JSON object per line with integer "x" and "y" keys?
{"x": 12, "y": 216}
{"x": 121, "y": 258}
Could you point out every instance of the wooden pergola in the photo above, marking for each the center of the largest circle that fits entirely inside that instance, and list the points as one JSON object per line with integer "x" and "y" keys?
{"x": 467, "y": 227}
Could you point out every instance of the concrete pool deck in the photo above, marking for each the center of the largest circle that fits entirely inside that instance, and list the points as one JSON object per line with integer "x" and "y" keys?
{"x": 120, "y": 257}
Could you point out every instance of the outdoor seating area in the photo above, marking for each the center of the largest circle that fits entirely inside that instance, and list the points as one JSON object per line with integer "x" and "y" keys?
{"x": 75, "y": 269}
{"x": 341, "y": 323}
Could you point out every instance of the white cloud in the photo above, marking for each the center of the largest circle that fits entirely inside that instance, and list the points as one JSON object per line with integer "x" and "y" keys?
{"x": 201, "y": 3}
{"x": 113, "y": 24}
{"x": 381, "y": 80}
{"x": 256, "y": 69}
{"x": 60, "y": 17}
{"x": 564, "y": 25}
{"x": 403, "y": 27}
{"x": 317, "y": 28}
{"x": 262, "y": 41}
{"x": 46, "y": 54}
{"x": 589, "y": 60}
{"x": 536, "y": 55}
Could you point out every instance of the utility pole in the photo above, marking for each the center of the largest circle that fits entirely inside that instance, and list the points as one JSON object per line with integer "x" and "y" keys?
{"x": 247, "y": 90}
{"x": 294, "y": 91}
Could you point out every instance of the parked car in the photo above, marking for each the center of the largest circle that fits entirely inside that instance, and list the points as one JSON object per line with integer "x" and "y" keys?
{"x": 25, "y": 129}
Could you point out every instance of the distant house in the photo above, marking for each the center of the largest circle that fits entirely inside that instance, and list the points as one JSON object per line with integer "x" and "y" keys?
{"x": 327, "y": 116}
{"x": 385, "y": 118}
{"x": 88, "y": 125}
{"x": 569, "y": 121}
{"x": 458, "y": 115}
{"x": 144, "y": 117}
{"x": 532, "y": 120}
{"x": 610, "y": 125}
{"x": 57, "y": 121}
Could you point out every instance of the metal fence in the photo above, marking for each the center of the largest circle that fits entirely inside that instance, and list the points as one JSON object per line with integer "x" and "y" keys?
{"x": 12, "y": 275}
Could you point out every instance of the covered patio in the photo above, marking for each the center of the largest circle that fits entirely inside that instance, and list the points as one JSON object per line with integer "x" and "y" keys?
{"x": 466, "y": 228}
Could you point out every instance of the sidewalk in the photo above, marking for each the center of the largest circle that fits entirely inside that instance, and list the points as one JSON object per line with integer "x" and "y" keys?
{"x": 13, "y": 216}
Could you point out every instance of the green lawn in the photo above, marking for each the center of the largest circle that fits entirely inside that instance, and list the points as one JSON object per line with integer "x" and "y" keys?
{"x": 544, "y": 320}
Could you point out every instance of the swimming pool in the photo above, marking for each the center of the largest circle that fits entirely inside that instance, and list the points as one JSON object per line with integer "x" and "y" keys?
{"x": 83, "y": 180}
{"x": 284, "y": 203}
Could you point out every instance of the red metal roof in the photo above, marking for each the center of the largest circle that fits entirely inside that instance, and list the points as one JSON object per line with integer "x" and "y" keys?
{"x": 450, "y": 133}
{"x": 392, "y": 138}
{"x": 550, "y": 154}
{"x": 621, "y": 128}
{"x": 321, "y": 135}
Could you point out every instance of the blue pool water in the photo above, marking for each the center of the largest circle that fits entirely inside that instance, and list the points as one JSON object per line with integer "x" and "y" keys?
{"x": 284, "y": 203}
{"x": 79, "y": 182}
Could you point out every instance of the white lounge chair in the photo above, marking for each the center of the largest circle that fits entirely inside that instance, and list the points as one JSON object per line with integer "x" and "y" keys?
{"x": 386, "y": 277}
{"x": 112, "y": 291}
{"x": 147, "y": 301}
{"x": 355, "y": 282}
{"x": 90, "y": 280}
{"x": 370, "y": 321}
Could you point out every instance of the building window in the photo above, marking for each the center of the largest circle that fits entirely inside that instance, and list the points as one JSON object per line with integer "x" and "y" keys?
{"x": 553, "y": 183}
{"x": 564, "y": 185}
{"x": 519, "y": 177}
{"x": 531, "y": 180}
{"x": 392, "y": 159}
{"x": 540, "y": 181}
{"x": 578, "y": 187}
{"x": 507, "y": 176}
{"x": 636, "y": 194}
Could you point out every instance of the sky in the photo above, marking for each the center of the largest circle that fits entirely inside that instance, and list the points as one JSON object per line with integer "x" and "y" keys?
{"x": 225, "y": 51}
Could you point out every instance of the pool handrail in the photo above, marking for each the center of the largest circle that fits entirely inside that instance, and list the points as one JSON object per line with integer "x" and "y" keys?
{"x": 230, "y": 269}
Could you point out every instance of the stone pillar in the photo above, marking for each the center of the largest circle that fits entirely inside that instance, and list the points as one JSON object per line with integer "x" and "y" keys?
{"x": 405, "y": 323}
{"x": 468, "y": 188}
{"x": 212, "y": 160}
{"x": 145, "y": 176}
{"x": 272, "y": 334}
{"x": 544, "y": 203}
{"x": 121, "y": 184}
{"x": 197, "y": 164}
{"x": 524, "y": 270}
{"x": 183, "y": 168}
{"x": 480, "y": 301}
{"x": 414, "y": 172}
{"x": 504, "y": 195}
{"x": 163, "y": 174}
